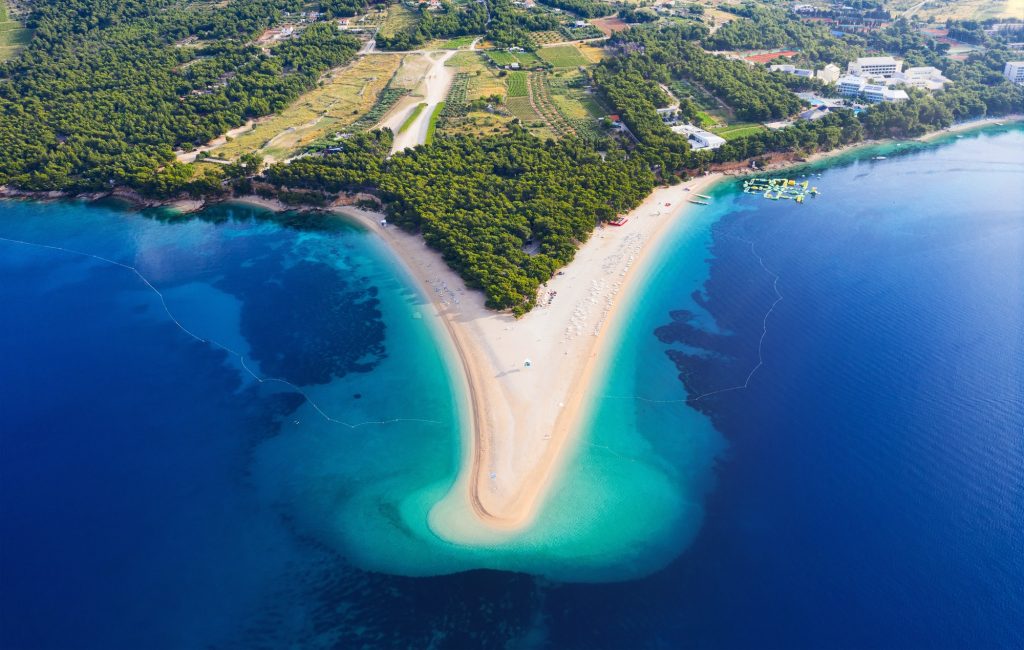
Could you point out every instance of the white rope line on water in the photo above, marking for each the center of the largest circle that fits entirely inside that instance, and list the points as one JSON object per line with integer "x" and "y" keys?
{"x": 238, "y": 355}
{"x": 760, "y": 344}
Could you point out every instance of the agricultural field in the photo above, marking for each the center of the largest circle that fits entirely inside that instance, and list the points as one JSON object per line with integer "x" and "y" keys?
{"x": 543, "y": 103}
{"x": 385, "y": 102}
{"x": 520, "y": 107}
{"x": 591, "y": 53}
{"x": 483, "y": 79}
{"x": 572, "y": 99}
{"x": 609, "y": 25}
{"x": 581, "y": 33}
{"x": 517, "y": 84}
{"x": 562, "y": 56}
{"x": 399, "y": 19}
{"x": 941, "y": 10}
{"x": 503, "y": 58}
{"x": 456, "y": 118}
{"x": 541, "y": 39}
{"x": 477, "y": 123}
{"x": 13, "y": 35}
{"x": 343, "y": 96}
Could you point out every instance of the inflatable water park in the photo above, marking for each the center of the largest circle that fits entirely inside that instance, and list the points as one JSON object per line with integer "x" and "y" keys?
{"x": 780, "y": 188}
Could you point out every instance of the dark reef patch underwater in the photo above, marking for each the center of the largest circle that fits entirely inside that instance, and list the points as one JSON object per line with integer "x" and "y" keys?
{"x": 862, "y": 355}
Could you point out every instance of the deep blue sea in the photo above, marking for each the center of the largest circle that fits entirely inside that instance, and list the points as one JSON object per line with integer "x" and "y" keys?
{"x": 861, "y": 356}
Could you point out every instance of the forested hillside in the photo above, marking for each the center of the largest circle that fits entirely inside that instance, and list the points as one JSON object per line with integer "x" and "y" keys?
{"x": 107, "y": 90}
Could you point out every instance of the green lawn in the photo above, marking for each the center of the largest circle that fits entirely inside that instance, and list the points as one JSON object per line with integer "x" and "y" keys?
{"x": 432, "y": 126}
{"x": 562, "y": 56}
{"x": 458, "y": 43}
{"x": 502, "y": 58}
{"x": 412, "y": 117}
{"x": 738, "y": 130}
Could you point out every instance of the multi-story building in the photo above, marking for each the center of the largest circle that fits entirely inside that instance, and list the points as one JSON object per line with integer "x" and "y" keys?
{"x": 874, "y": 66}
{"x": 877, "y": 94}
{"x": 925, "y": 77}
{"x": 1014, "y": 72}
{"x": 851, "y": 85}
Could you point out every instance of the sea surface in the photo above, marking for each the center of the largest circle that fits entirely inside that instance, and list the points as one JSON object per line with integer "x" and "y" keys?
{"x": 227, "y": 431}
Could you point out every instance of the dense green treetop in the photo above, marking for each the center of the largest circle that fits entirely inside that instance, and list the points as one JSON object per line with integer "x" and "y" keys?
{"x": 505, "y": 212}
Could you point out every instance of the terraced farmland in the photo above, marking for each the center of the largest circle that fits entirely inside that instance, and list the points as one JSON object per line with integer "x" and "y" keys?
{"x": 346, "y": 94}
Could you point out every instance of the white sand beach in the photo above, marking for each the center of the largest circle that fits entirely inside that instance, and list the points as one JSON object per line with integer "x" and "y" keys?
{"x": 524, "y": 418}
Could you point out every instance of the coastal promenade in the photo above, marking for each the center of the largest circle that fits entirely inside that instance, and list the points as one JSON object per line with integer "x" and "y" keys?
{"x": 527, "y": 379}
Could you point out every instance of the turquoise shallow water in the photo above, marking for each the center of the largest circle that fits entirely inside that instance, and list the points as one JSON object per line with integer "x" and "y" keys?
{"x": 309, "y": 319}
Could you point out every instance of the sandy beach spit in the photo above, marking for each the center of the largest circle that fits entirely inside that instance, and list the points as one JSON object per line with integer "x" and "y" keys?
{"x": 526, "y": 378}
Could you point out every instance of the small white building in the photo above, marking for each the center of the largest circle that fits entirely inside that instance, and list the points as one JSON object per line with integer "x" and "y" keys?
{"x": 790, "y": 69}
{"x": 1004, "y": 27}
{"x": 668, "y": 113}
{"x": 699, "y": 138}
{"x": 874, "y": 66}
{"x": 1014, "y": 72}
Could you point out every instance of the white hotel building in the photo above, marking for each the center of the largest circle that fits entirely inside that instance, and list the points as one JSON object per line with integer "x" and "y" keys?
{"x": 1014, "y": 72}
{"x": 874, "y": 66}
{"x": 853, "y": 86}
